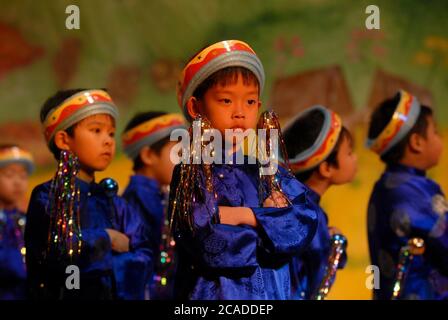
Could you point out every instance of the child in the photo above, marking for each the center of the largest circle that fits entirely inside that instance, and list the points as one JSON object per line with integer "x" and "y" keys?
{"x": 404, "y": 202}
{"x": 114, "y": 253}
{"x": 320, "y": 153}
{"x": 235, "y": 242}
{"x": 146, "y": 141}
{"x": 16, "y": 165}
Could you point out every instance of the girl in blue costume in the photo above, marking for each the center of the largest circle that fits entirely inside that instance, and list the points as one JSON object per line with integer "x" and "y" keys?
{"x": 72, "y": 220}
{"x": 16, "y": 164}
{"x": 234, "y": 240}
{"x": 321, "y": 155}
{"x": 404, "y": 202}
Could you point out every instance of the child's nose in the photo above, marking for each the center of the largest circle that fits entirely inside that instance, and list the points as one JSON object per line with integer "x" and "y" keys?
{"x": 238, "y": 111}
{"x": 109, "y": 140}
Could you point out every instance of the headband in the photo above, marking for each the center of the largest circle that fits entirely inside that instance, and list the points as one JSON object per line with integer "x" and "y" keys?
{"x": 324, "y": 143}
{"x": 150, "y": 132}
{"x": 17, "y": 155}
{"x": 401, "y": 123}
{"x": 229, "y": 53}
{"x": 76, "y": 108}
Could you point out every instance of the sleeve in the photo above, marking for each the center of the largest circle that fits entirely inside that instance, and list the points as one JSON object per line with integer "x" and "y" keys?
{"x": 290, "y": 229}
{"x": 11, "y": 260}
{"x": 11, "y": 265}
{"x": 215, "y": 246}
{"x": 132, "y": 269}
{"x": 96, "y": 243}
{"x": 415, "y": 216}
{"x": 140, "y": 200}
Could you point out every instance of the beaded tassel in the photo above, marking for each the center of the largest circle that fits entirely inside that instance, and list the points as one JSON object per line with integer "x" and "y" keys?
{"x": 338, "y": 247}
{"x": 64, "y": 237}
{"x": 270, "y": 183}
{"x": 189, "y": 191}
{"x": 414, "y": 247}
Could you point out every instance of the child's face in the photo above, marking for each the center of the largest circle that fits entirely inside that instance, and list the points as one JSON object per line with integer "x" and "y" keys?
{"x": 93, "y": 142}
{"x": 234, "y": 106}
{"x": 432, "y": 146}
{"x": 13, "y": 183}
{"x": 347, "y": 163}
{"x": 163, "y": 165}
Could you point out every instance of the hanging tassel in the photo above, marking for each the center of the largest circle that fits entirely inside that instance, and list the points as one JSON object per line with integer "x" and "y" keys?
{"x": 414, "y": 247}
{"x": 337, "y": 249}
{"x": 270, "y": 183}
{"x": 189, "y": 188}
{"x": 64, "y": 236}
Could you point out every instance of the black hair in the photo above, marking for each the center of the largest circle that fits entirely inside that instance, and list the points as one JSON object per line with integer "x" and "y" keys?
{"x": 303, "y": 133}
{"x": 4, "y": 146}
{"x": 51, "y": 103}
{"x": 224, "y": 77}
{"x": 381, "y": 117}
{"x": 138, "y": 119}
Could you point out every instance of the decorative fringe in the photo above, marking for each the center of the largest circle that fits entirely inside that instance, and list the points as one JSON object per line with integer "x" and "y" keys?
{"x": 64, "y": 236}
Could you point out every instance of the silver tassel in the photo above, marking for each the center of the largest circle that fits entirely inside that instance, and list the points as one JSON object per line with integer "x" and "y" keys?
{"x": 415, "y": 247}
{"x": 338, "y": 246}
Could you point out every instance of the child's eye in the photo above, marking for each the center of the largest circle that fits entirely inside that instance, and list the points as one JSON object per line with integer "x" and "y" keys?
{"x": 95, "y": 130}
{"x": 112, "y": 134}
{"x": 225, "y": 101}
{"x": 251, "y": 102}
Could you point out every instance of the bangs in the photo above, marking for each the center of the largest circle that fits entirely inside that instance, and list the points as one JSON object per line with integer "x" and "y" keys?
{"x": 225, "y": 77}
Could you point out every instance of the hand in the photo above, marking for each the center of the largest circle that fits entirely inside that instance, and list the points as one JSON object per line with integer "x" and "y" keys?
{"x": 237, "y": 216}
{"x": 119, "y": 241}
{"x": 333, "y": 231}
{"x": 275, "y": 200}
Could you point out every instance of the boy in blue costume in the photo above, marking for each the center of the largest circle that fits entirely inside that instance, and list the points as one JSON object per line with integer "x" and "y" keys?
{"x": 236, "y": 242}
{"x": 321, "y": 155}
{"x": 109, "y": 244}
{"x": 405, "y": 203}
{"x": 146, "y": 141}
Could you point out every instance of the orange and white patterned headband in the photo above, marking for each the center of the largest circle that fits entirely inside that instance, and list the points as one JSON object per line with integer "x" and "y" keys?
{"x": 17, "y": 155}
{"x": 403, "y": 119}
{"x": 76, "y": 108}
{"x": 223, "y": 54}
{"x": 322, "y": 146}
{"x": 150, "y": 132}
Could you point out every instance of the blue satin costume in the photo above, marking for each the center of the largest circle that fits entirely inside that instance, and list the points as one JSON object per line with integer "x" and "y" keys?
{"x": 105, "y": 274}
{"x": 308, "y": 269}
{"x": 405, "y": 204}
{"x": 241, "y": 262}
{"x": 145, "y": 195}
{"x": 12, "y": 262}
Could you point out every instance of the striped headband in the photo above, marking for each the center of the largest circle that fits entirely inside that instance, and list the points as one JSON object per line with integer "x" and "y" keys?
{"x": 76, "y": 108}
{"x": 403, "y": 119}
{"x": 324, "y": 144}
{"x": 17, "y": 155}
{"x": 150, "y": 132}
{"x": 223, "y": 54}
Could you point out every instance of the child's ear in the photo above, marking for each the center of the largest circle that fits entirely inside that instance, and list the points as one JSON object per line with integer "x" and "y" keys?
{"x": 325, "y": 170}
{"x": 259, "y": 104}
{"x": 147, "y": 156}
{"x": 416, "y": 143}
{"x": 193, "y": 107}
{"x": 62, "y": 140}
